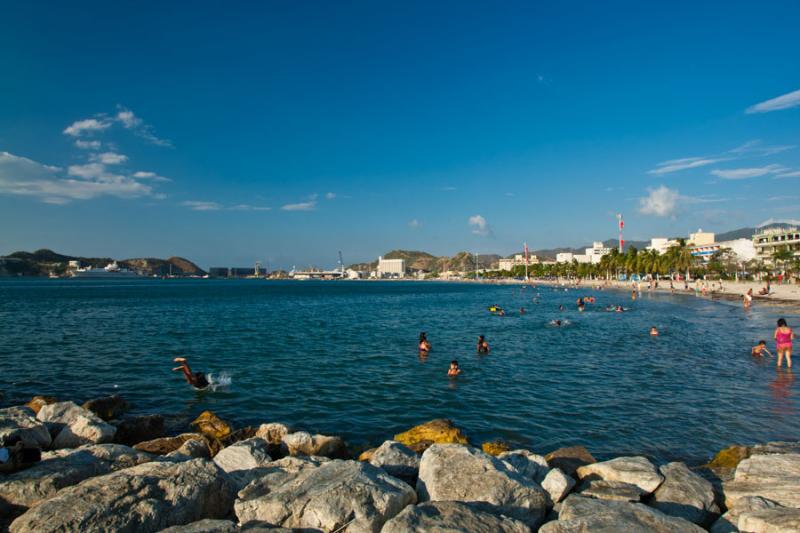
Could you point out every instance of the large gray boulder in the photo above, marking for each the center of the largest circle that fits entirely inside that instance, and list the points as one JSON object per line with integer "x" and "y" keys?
{"x": 244, "y": 461}
{"x": 728, "y": 523}
{"x": 226, "y": 526}
{"x": 634, "y": 470}
{"x": 557, "y": 484}
{"x": 580, "y": 515}
{"x": 452, "y": 517}
{"x": 527, "y": 463}
{"x": 685, "y": 494}
{"x": 72, "y": 426}
{"x": 326, "y": 497}
{"x": 774, "y": 477}
{"x": 21, "y": 422}
{"x": 144, "y": 498}
{"x": 457, "y": 472}
{"x": 303, "y": 443}
{"x": 397, "y": 460}
{"x": 191, "y": 449}
{"x": 610, "y": 490}
{"x": 64, "y": 468}
{"x": 775, "y": 520}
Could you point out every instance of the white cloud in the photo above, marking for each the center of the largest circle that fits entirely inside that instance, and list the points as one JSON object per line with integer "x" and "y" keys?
{"x": 25, "y": 177}
{"x": 128, "y": 119}
{"x": 89, "y": 125}
{"x": 414, "y": 224}
{"x": 109, "y": 158}
{"x": 745, "y": 173}
{"x": 88, "y": 145}
{"x": 448, "y": 189}
{"x": 661, "y": 202}
{"x": 330, "y": 196}
{"x": 674, "y": 165}
{"x": 247, "y": 207}
{"x": 141, "y": 175}
{"x": 785, "y": 101}
{"x": 790, "y": 174}
{"x": 479, "y": 226}
{"x": 199, "y": 205}
{"x": 310, "y": 205}
{"x": 756, "y": 147}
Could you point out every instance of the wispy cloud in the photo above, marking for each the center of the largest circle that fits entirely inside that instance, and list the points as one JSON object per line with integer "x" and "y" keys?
{"x": 770, "y": 221}
{"x": 785, "y": 101}
{"x": 130, "y": 121}
{"x": 86, "y": 126}
{"x": 109, "y": 158}
{"x": 414, "y": 224}
{"x": 26, "y": 177}
{"x": 124, "y": 117}
{"x": 448, "y": 189}
{"x": 248, "y": 207}
{"x": 330, "y": 195}
{"x": 149, "y": 176}
{"x": 746, "y": 173}
{"x": 675, "y": 165}
{"x": 88, "y": 145}
{"x": 756, "y": 147}
{"x": 790, "y": 174}
{"x": 479, "y": 226}
{"x": 200, "y": 205}
{"x": 309, "y": 205}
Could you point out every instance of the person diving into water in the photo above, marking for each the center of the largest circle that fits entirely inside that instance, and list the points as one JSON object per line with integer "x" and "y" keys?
{"x": 198, "y": 380}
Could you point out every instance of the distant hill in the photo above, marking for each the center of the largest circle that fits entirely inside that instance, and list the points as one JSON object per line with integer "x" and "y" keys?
{"x": 43, "y": 262}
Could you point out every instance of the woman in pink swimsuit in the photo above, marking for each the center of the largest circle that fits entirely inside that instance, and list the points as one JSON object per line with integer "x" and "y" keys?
{"x": 783, "y": 342}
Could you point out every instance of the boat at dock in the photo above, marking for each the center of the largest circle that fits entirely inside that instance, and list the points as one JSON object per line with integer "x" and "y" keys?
{"x": 111, "y": 270}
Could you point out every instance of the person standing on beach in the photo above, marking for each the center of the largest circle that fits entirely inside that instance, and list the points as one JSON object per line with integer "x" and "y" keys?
{"x": 783, "y": 342}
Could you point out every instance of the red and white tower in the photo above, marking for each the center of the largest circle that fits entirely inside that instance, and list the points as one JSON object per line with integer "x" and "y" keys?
{"x": 621, "y": 240}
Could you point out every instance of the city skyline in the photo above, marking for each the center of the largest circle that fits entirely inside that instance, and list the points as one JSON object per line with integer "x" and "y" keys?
{"x": 285, "y": 133}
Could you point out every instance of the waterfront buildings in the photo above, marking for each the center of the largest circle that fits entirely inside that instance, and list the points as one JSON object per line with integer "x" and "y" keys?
{"x": 769, "y": 241}
{"x": 391, "y": 268}
{"x": 508, "y": 263}
{"x": 661, "y": 245}
{"x": 592, "y": 255}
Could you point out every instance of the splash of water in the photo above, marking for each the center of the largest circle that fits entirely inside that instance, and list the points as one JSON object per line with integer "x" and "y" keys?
{"x": 217, "y": 381}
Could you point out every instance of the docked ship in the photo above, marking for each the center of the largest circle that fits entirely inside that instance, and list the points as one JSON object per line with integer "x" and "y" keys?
{"x": 111, "y": 270}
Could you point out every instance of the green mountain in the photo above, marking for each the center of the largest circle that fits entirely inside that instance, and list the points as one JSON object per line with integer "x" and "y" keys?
{"x": 43, "y": 262}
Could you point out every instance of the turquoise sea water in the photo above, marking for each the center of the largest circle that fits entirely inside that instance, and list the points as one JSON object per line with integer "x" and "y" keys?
{"x": 341, "y": 358}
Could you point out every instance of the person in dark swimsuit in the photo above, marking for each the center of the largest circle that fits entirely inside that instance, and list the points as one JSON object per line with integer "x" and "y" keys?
{"x": 483, "y": 346}
{"x": 198, "y": 380}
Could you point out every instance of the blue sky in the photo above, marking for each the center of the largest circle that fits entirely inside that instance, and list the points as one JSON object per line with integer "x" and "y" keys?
{"x": 286, "y": 131}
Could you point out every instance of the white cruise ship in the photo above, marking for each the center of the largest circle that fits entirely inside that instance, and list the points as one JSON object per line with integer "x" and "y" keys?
{"x": 111, "y": 270}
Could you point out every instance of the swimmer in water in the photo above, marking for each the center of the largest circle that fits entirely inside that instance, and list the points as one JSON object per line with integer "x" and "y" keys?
{"x": 653, "y": 332}
{"x": 759, "y": 349}
{"x": 453, "y": 370}
{"x": 619, "y": 309}
{"x": 483, "y": 346}
{"x": 521, "y": 311}
{"x": 560, "y": 307}
{"x": 198, "y": 380}
{"x": 424, "y": 345}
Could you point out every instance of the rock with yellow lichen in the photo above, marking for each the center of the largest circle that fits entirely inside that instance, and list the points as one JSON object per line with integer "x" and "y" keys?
{"x": 212, "y": 426}
{"x": 495, "y": 447}
{"x": 438, "y": 431}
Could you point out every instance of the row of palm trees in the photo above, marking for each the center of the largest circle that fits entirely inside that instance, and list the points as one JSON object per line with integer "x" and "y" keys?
{"x": 676, "y": 262}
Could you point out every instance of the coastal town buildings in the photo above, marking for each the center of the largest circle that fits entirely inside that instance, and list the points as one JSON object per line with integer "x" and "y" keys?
{"x": 768, "y": 241}
{"x": 391, "y": 268}
{"x": 661, "y": 244}
{"x": 508, "y": 263}
{"x": 592, "y": 255}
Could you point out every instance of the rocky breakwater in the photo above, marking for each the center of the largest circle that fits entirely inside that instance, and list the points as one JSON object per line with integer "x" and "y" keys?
{"x": 214, "y": 478}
